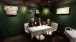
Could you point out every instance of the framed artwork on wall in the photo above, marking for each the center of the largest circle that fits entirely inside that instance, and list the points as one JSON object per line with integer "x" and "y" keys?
{"x": 64, "y": 10}
{"x": 11, "y": 10}
{"x": 37, "y": 13}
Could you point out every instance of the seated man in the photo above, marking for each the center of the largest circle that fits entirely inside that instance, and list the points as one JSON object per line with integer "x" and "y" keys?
{"x": 32, "y": 23}
{"x": 39, "y": 22}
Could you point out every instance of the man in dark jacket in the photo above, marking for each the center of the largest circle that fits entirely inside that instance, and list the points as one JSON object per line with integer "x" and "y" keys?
{"x": 39, "y": 22}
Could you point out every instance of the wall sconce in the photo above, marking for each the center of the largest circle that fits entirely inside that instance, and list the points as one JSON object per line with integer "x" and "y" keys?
{"x": 11, "y": 10}
{"x": 46, "y": 10}
{"x": 30, "y": 11}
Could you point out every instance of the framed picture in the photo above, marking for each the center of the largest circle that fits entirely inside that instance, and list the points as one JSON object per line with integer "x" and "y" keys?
{"x": 11, "y": 10}
{"x": 64, "y": 10}
{"x": 37, "y": 13}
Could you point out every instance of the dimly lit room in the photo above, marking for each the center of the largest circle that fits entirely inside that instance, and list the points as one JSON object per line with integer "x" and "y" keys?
{"x": 37, "y": 20}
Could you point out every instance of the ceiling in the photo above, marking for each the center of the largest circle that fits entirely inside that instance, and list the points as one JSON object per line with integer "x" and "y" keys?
{"x": 37, "y": 2}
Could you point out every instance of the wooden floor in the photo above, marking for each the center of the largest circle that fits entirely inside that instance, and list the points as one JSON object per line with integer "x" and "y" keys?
{"x": 27, "y": 38}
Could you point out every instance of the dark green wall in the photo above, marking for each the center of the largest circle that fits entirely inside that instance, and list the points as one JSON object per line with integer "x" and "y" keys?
{"x": 67, "y": 20}
{"x": 14, "y": 25}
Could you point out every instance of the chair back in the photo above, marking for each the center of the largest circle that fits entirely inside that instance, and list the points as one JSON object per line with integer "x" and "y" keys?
{"x": 55, "y": 26}
{"x": 68, "y": 28}
{"x": 26, "y": 25}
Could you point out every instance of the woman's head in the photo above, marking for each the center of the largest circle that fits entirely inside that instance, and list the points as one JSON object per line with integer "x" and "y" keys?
{"x": 48, "y": 20}
{"x": 32, "y": 19}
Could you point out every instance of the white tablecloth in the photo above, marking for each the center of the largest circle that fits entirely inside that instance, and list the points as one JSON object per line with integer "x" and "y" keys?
{"x": 39, "y": 30}
{"x": 71, "y": 34}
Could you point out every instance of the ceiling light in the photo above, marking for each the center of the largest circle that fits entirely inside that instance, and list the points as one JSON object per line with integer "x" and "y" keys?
{"x": 48, "y": 1}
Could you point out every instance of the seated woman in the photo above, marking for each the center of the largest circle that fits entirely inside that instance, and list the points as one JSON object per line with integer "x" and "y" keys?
{"x": 48, "y": 22}
{"x": 32, "y": 23}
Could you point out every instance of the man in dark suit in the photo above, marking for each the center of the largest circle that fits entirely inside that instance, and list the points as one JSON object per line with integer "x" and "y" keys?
{"x": 32, "y": 23}
{"x": 39, "y": 22}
